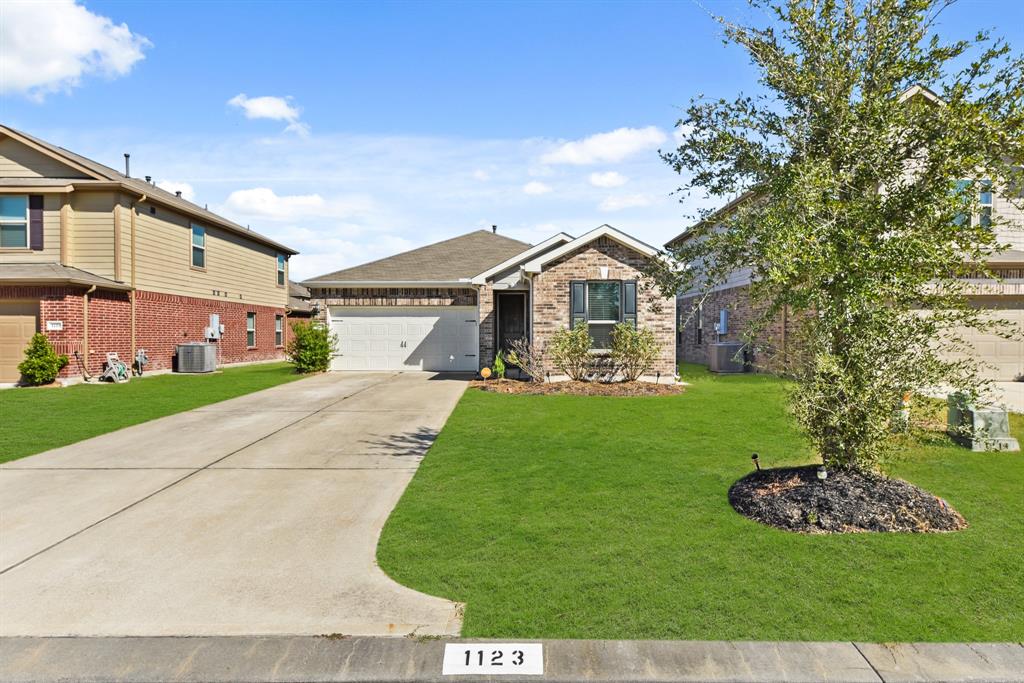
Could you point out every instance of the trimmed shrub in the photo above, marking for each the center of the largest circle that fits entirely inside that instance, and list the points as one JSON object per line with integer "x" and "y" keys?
{"x": 633, "y": 350}
{"x": 570, "y": 351}
{"x": 311, "y": 347}
{"x": 527, "y": 358}
{"x": 41, "y": 364}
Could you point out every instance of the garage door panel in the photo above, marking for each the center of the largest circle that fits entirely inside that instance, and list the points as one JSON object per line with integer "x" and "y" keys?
{"x": 405, "y": 338}
{"x": 1004, "y": 357}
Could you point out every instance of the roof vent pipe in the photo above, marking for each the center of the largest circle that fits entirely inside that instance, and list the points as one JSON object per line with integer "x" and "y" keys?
{"x": 177, "y": 193}
{"x": 149, "y": 179}
{"x": 494, "y": 229}
{"x": 127, "y": 165}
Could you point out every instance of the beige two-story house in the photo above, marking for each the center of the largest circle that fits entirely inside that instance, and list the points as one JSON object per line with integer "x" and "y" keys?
{"x": 102, "y": 262}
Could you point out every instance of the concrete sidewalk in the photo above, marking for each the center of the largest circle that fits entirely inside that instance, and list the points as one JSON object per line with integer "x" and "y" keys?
{"x": 288, "y": 659}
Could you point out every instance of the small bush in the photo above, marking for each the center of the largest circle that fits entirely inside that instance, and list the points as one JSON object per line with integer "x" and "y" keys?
{"x": 311, "y": 347}
{"x": 499, "y": 366}
{"x": 527, "y": 358}
{"x": 41, "y": 364}
{"x": 570, "y": 351}
{"x": 633, "y": 350}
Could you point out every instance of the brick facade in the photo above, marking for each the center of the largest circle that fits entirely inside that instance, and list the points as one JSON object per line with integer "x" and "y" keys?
{"x": 161, "y": 322}
{"x": 550, "y": 301}
{"x": 773, "y": 349}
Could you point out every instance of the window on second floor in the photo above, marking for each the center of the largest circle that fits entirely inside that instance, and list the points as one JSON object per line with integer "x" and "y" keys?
{"x": 985, "y": 202}
{"x": 198, "y": 246}
{"x": 280, "y": 270}
{"x": 14, "y": 222}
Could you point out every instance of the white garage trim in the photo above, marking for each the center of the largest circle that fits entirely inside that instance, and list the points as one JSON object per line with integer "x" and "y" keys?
{"x": 406, "y": 338}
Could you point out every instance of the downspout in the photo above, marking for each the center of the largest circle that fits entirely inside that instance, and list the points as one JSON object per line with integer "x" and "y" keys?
{"x": 131, "y": 295}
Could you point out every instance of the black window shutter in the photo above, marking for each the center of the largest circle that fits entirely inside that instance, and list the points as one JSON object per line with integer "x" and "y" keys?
{"x": 577, "y": 302}
{"x": 629, "y": 303}
{"x": 35, "y": 222}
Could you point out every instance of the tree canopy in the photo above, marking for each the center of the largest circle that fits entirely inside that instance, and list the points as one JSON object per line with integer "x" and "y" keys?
{"x": 863, "y": 162}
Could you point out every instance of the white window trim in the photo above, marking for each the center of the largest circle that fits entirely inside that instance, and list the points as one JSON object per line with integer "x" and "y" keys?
{"x": 193, "y": 246}
{"x": 26, "y": 223}
{"x": 278, "y": 330}
{"x": 250, "y": 316}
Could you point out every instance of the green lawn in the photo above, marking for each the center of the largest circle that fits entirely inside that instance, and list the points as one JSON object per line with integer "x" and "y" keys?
{"x": 35, "y": 420}
{"x": 590, "y": 517}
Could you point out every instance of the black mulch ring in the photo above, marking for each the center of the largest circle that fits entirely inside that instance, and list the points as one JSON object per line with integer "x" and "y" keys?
{"x": 794, "y": 499}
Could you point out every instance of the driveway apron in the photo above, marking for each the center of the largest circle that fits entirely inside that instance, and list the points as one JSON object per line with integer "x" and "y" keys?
{"x": 254, "y": 516}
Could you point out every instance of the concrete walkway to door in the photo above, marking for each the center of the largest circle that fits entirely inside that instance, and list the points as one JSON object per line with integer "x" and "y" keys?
{"x": 258, "y": 515}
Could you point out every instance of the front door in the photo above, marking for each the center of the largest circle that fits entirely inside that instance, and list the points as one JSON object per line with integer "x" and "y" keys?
{"x": 511, "y": 318}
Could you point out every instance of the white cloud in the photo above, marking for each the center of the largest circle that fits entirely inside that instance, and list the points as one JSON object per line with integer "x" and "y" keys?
{"x": 535, "y": 187}
{"x": 624, "y": 201}
{"x": 273, "y": 108}
{"x": 608, "y": 147}
{"x": 481, "y": 175}
{"x": 608, "y": 179}
{"x": 187, "y": 191}
{"x": 48, "y": 47}
{"x": 264, "y": 203}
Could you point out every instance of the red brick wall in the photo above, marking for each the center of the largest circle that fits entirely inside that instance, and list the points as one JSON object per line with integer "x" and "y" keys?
{"x": 772, "y": 351}
{"x": 551, "y": 295}
{"x": 162, "y": 322}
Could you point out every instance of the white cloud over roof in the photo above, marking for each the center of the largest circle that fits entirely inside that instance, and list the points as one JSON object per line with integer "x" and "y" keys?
{"x": 611, "y": 147}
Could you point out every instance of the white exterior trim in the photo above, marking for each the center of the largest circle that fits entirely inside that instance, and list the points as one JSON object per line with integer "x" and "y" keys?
{"x": 550, "y": 242}
{"x": 537, "y": 264}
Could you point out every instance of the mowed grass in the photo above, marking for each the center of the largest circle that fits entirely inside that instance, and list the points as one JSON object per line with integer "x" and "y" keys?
{"x": 35, "y": 420}
{"x": 592, "y": 517}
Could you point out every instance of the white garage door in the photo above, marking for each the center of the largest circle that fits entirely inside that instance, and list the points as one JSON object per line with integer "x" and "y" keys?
{"x": 433, "y": 338}
{"x": 1004, "y": 356}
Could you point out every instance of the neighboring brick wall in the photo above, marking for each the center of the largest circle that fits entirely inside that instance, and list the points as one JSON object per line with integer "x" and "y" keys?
{"x": 773, "y": 349}
{"x": 551, "y": 295}
{"x": 162, "y": 322}
{"x": 382, "y": 296}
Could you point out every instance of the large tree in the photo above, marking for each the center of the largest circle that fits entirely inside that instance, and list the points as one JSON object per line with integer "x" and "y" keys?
{"x": 862, "y": 210}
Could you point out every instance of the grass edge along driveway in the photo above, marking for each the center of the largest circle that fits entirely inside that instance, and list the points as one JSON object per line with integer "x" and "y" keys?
{"x": 598, "y": 517}
{"x": 36, "y": 420}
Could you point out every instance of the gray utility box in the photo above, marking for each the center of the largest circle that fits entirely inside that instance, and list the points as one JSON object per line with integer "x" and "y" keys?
{"x": 197, "y": 357}
{"x": 980, "y": 428}
{"x": 726, "y": 357}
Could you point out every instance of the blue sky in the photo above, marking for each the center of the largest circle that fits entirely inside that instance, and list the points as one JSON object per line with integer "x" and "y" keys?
{"x": 351, "y": 131}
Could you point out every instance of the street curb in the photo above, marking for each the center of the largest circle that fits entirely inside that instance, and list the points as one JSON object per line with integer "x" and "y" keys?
{"x": 290, "y": 659}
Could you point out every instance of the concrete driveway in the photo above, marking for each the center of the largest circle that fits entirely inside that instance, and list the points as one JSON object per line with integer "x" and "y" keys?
{"x": 257, "y": 515}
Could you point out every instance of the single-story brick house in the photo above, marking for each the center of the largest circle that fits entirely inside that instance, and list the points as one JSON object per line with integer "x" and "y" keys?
{"x": 450, "y": 306}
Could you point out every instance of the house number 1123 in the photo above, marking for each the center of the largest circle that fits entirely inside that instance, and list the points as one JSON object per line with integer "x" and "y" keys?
{"x": 493, "y": 659}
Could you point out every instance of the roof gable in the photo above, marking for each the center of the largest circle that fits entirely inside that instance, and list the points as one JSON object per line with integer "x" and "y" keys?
{"x": 20, "y": 159}
{"x": 536, "y": 265}
{"x": 533, "y": 252}
{"x": 453, "y": 260}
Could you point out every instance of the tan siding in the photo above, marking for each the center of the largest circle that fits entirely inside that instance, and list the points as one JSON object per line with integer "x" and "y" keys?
{"x": 1012, "y": 234}
{"x": 92, "y": 233}
{"x": 51, "y": 236}
{"x": 20, "y": 161}
{"x": 236, "y": 269}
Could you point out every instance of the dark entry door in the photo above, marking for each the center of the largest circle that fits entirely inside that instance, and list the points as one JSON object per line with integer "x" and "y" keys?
{"x": 511, "y": 318}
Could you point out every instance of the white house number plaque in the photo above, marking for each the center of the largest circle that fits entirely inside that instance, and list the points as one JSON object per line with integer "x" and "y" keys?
{"x": 520, "y": 659}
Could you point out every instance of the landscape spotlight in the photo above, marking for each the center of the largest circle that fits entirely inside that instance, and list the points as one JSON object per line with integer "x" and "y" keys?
{"x": 822, "y": 473}
{"x": 757, "y": 464}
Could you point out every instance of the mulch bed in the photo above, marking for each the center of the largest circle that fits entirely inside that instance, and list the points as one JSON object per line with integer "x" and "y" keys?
{"x": 508, "y": 386}
{"x": 794, "y": 499}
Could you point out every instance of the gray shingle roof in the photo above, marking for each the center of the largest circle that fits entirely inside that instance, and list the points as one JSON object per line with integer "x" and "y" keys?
{"x": 55, "y": 273}
{"x": 451, "y": 260}
{"x": 141, "y": 187}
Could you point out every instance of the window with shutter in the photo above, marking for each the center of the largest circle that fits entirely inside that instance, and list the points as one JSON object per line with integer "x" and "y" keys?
{"x": 602, "y": 304}
{"x": 35, "y": 222}
{"x": 14, "y": 222}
